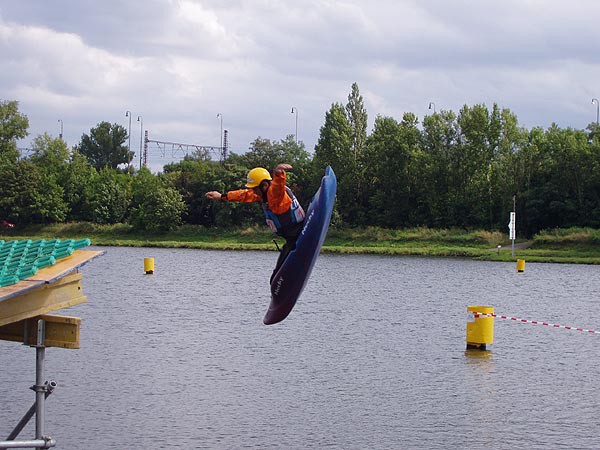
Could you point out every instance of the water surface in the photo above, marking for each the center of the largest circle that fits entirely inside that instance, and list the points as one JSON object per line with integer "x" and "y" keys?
{"x": 373, "y": 356}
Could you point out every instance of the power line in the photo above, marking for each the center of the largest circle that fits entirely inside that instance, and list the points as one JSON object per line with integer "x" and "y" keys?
{"x": 180, "y": 150}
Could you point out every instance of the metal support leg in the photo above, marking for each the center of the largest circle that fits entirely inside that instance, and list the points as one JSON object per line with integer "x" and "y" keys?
{"x": 40, "y": 387}
{"x": 29, "y": 414}
{"x": 42, "y": 390}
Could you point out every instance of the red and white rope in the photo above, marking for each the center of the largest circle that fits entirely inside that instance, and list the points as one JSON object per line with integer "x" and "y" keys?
{"x": 534, "y": 322}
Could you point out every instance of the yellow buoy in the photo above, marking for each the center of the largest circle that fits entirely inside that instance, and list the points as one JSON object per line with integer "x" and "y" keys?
{"x": 520, "y": 265}
{"x": 480, "y": 332}
{"x": 149, "y": 266}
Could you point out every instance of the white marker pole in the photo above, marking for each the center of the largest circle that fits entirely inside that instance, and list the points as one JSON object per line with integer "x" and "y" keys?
{"x": 512, "y": 230}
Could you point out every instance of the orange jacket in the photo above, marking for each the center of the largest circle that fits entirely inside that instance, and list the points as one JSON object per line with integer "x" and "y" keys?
{"x": 277, "y": 198}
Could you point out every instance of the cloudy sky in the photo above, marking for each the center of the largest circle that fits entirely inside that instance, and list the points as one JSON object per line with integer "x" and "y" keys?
{"x": 179, "y": 63}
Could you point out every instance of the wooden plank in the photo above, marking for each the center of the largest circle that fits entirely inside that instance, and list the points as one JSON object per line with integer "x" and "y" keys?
{"x": 50, "y": 274}
{"x": 44, "y": 299}
{"x": 65, "y": 265}
{"x": 61, "y": 331}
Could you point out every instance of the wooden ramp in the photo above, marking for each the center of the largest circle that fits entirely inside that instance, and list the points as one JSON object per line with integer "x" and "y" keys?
{"x": 53, "y": 288}
{"x": 24, "y": 308}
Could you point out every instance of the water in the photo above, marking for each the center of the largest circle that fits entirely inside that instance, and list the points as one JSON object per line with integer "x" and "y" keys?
{"x": 373, "y": 356}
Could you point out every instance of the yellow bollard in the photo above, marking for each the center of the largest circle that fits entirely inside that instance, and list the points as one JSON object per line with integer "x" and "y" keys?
{"x": 480, "y": 332}
{"x": 149, "y": 266}
{"x": 520, "y": 265}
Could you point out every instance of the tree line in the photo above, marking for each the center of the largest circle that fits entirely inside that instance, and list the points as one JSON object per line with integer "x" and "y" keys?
{"x": 452, "y": 169}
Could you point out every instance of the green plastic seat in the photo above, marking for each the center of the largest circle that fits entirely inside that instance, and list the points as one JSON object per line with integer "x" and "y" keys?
{"x": 22, "y": 259}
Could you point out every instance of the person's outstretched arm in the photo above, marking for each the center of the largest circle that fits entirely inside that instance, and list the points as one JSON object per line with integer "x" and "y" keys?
{"x": 242, "y": 195}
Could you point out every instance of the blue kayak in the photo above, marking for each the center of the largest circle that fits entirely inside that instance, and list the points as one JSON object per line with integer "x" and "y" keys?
{"x": 290, "y": 279}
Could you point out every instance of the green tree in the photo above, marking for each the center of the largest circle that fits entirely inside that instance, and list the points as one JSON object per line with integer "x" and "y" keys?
{"x": 50, "y": 204}
{"x": 105, "y": 146}
{"x": 385, "y": 161}
{"x": 51, "y": 155}
{"x": 470, "y": 162}
{"x": 335, "y": 142}
{"x": 485, "y": 139}
{"x": 78, "y": 176}
{"x": 563, "y": 181}
{"x": 192, "y": 178}
{"x": 528, "y": 166}
{"x": 353, "y": 184}
{"x": 593, "y": 189}
{"x": 267, "y": 154}
{"x": 502, "y": 173}
{"x": 30, "y": 195}
{"x": 262, "y": 153}
{"x": 10, "y": 190}
{"x": 357, "y": 118}
{"x": 13, "y": 126}
{"x": 299, "y": 178}
{"x": 107, "y": 197}
{"x": 440, "y": 137}
{"x": 157, "y": 206}
{"x": 334, "y": 148}
{"x": 391, "y": 152}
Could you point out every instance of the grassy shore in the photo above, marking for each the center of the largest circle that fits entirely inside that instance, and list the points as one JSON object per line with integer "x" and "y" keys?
{"x": 574, "y": 245}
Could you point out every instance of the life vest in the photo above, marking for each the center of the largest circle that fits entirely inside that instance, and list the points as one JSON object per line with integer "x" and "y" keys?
{"x": 294, "y": 215}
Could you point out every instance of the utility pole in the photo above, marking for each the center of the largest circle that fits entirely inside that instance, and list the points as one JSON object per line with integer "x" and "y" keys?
{"x": 220, "y": 116}
{"x": 128, "y": 114}
{"x": 141, "y": 121}
{"x": 295, "y": 110}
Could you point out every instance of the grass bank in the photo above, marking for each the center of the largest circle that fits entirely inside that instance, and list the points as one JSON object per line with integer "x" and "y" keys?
{"x": 574, "y": 245}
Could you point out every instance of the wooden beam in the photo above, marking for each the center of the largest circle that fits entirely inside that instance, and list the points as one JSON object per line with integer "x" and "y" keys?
{"x": 43, "y": 299}
{"x": 61, "y": 331}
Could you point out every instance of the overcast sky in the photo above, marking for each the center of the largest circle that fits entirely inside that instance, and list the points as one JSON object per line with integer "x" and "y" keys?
{"x": 179, "y": 63}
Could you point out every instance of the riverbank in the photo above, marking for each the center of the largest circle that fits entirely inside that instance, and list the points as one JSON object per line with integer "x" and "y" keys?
{"x": 574, "y": 245}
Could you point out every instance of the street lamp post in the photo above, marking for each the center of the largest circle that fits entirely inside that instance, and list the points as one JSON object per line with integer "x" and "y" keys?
{"x": 128, "y": 114}
{"x": 295, "y": 110}
{"x": 61, "y": 128}
{"x": 139, "y": 119}
{"x": 595, "y": 100}
{"x": 220, "y": 116}
{"x": 432, "y": 106}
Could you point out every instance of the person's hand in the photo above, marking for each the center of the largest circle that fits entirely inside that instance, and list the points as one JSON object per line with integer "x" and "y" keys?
{"x": 281, "y": 167}
{"x": 213, "y": 195}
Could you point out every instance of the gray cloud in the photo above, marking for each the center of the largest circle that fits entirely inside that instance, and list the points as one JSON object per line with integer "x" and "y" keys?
{"x": 179, "y": 63}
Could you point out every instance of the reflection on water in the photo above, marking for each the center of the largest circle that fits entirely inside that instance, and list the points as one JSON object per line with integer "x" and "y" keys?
{"x": 373, "y": 356}
{"x": 476, "y": 355}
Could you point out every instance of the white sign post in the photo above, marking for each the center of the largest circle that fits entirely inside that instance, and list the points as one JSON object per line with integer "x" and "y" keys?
{"x": 512, "y": 232}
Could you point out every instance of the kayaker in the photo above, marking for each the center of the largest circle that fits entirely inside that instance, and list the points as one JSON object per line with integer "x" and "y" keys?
{"x": 283, "y": 212}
